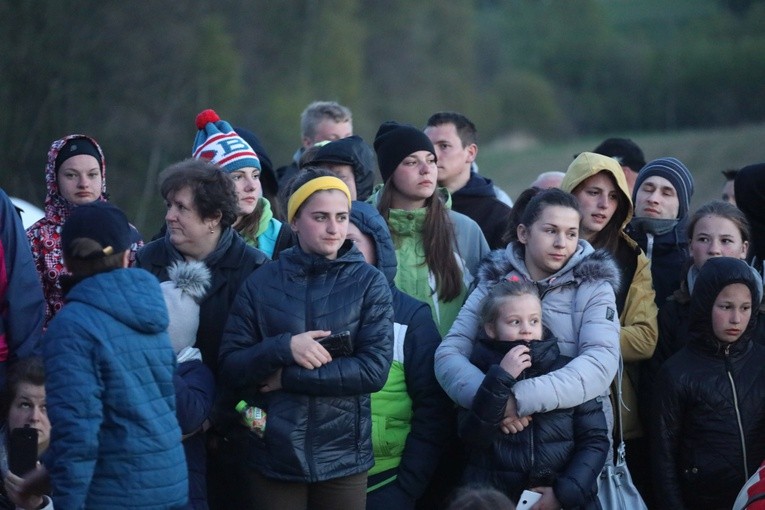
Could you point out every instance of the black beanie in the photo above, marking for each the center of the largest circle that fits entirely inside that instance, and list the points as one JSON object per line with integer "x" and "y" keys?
{"x": 394, "y": 142}
{"x": 75, "y": 147}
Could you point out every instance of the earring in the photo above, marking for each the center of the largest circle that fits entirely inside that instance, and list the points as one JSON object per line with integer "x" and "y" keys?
{"x": 212, "y": 230}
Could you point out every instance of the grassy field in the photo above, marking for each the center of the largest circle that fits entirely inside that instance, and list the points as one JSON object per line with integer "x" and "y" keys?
{"x": 514, "y": 163}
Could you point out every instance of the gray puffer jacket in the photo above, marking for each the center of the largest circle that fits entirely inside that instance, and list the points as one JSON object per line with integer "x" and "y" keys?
{"x": 578, "y": 307}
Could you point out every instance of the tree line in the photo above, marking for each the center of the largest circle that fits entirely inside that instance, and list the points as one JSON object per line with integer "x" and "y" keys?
{"x": 133, "y": 75}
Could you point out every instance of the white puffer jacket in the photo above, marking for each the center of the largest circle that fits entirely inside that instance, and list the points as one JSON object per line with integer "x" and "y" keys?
{"x": 579, "y": 309}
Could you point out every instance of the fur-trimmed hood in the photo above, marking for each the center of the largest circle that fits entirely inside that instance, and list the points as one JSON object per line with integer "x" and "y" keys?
{"x": 586, "y": 265}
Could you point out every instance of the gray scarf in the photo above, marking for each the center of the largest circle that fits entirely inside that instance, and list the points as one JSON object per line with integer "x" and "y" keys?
{"x": 655, "y": 226}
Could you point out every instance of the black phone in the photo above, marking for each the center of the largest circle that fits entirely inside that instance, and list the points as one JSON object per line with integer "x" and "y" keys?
{"x": 22, "y": 450}
{"x": 338, "y": 344}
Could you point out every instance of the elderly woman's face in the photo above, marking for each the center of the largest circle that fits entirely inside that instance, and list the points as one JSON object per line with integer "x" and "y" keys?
{"x": 28, "y": 410}
{"x": 184, "y": 224}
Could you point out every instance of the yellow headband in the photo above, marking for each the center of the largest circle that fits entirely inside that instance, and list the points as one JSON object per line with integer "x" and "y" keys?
{"x": 306, "y": 190}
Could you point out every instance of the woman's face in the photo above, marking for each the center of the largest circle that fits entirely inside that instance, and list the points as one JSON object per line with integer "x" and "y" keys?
{"x": 414, "y": 180}
{"x": 28, "y": 409}
{"x": 715, "y": 236}
{"x": 598, "y": 199}
{"x": 248, "y": 190}
{"x": 184, "y": 224}
{"x": 79, "y": 179}
{"x": 322, "y": 223}
{"x": 550, "y": 241}
{"x": 731, "y": 312}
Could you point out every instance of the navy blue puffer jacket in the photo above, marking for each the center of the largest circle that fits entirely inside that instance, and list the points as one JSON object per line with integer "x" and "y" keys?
{"x": 318, "y": 425}
{"x": 565, "y": 448}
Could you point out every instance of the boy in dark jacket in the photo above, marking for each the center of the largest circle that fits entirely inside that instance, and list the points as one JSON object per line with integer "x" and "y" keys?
{"x": 562, "y": 452}
{"x": 115, "y": 441}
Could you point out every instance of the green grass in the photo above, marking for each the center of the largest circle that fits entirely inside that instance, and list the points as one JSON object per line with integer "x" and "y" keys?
{"x": 705, "y": 152}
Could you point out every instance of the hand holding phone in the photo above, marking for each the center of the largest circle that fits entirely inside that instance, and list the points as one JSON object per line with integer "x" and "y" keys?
{"x": 528, "y": 498}
{"x": 22, "y": 450}
{"x": 338, "y": 344}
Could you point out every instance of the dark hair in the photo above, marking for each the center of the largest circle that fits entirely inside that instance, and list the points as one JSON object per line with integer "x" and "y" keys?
{"x": 26, "y": 370}
{"x": 465, "y": 128}
{"x": 511, "y": 232}
{"x": 438, "y": 240}
{"x": 545, "y": 199}
{"x": 489, "y": 308}
{"x": 723, "y": 210}
{"x": 81, "y": 263}
{"x": 480, "y": 498}
{"x": 730, "y": 174}
{"x": 609, "y": 235}
{"x": 213, "y": 191}
{"x": 249, "y": 223}
{"x": 306, "y": 174}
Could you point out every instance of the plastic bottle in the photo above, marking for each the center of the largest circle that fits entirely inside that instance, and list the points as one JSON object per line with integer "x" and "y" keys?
{"x": 253, "y": 417}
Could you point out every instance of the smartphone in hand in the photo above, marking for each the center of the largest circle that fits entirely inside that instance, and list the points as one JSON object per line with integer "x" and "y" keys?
{"x": 338, "y": 344}
{"x": 22, "y": 450}
{"x": 528, "y": 498}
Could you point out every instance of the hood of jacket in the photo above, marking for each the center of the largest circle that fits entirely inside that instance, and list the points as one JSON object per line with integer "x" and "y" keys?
{"x": 356, "y": 153}
{"x": 750, "y": 195}
{"x": 131, "y": 296}
{"x": 369, "y": 221}
{"x": 715, "y": 274}
{"x": 588, "y": 164}
{"x": 477, "y": 186}
{"x": 585, "y": 265}
{"x": 56, "y": 206}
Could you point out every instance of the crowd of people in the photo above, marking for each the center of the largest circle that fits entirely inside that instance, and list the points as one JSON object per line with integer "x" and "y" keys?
{"x": 301, "y": 338}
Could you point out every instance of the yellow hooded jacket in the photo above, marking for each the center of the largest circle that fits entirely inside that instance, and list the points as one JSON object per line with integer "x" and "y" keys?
{"x": 639, "y": 327}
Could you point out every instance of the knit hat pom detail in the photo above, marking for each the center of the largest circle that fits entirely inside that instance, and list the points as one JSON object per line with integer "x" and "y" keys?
{"x": 206, "y": 116}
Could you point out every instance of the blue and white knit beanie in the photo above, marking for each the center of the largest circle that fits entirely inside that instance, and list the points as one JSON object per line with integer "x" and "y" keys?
{"x": 676, "y": 173}
{"x": 218, "y": 143}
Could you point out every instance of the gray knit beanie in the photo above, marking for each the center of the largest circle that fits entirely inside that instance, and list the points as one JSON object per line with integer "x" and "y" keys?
{"x": 676, "y": 173}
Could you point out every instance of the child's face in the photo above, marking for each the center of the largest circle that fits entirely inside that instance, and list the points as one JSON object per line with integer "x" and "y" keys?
{"x": 715, "y": 236}
{"x": 731, "y": 312}
{"x": 519, "y": 318}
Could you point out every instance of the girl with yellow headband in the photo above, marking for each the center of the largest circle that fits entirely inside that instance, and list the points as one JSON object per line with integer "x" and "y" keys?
{"x": 316, "y": 447}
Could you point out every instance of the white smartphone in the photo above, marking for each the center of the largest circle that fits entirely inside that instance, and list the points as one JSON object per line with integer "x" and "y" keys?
{"x": 528, "y": 498}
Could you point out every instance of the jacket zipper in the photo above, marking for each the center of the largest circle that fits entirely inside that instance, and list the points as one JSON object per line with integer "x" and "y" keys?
{"x": 738, "y": 413}
{"x": 311, "y": 403}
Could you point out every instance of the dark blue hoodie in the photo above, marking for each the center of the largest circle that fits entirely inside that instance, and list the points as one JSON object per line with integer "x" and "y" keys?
{"x": 478, "y": 201}
{"x": 415, "y": 342}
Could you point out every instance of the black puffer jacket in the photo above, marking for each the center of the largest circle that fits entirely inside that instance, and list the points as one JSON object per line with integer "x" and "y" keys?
{"x": 318, "y": 425}
{"x": 231, "y": 263}
{"x": 698, "y": 439}
{"x": 668, "y": 253}
{"x": 565, "y": 448}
